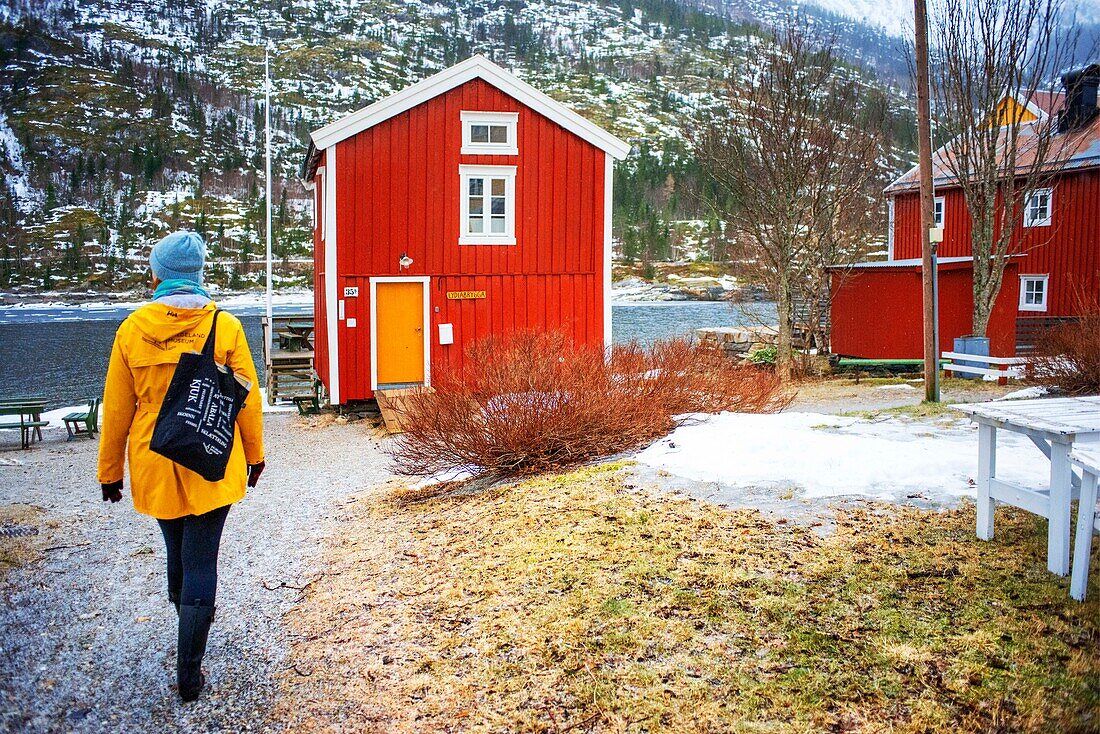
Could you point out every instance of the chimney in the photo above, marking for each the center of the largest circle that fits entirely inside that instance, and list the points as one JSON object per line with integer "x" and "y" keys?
{"x": 1080, "y": 105}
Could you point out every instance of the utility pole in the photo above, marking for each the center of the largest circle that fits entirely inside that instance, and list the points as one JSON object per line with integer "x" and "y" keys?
{"x": 924, "y": 136}
{"x": 267, "y": 178}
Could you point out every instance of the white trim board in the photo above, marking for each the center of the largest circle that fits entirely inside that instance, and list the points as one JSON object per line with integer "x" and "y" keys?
{"x": 475, "y": 67}
{"x": 333, "y": 312}
{"x": 425, "y": 281}
{"x": 608, "y": 179}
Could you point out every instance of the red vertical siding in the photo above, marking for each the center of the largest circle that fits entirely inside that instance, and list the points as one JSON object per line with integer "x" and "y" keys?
{"x": 1068, "y": 250}
{"x": 397, "y": 192}
{"x": 877, "y": 313}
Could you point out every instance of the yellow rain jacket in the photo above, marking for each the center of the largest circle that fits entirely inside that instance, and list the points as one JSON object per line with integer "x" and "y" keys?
{"x": 147, "y": 348}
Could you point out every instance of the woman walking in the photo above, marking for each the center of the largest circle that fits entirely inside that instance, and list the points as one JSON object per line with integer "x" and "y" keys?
{"x": 190, "y": 510}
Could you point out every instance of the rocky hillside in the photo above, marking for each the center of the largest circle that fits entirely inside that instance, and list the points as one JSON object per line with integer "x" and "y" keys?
{"x": 123, "y": 119}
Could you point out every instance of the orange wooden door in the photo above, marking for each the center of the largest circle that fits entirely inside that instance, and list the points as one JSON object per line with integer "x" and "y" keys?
{"x": 399, "y": 319}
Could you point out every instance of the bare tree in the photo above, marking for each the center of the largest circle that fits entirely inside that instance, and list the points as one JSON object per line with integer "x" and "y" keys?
{"x": 984, "y": 52}
{"x": 794, "y": 158}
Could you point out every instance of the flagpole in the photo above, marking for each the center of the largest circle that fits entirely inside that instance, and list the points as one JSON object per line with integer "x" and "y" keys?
{"x": 267, "y": 176}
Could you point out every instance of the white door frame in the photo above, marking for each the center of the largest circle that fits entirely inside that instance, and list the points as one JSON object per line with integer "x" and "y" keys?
{"x": 424, "y": 280}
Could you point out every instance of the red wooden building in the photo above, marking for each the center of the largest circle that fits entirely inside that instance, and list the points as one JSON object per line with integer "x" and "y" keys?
{"x": 876, "y": 309}
{"x": 466, "y": 205}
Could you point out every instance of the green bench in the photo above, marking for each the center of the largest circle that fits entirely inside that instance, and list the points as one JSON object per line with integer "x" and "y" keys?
{"x": 30, "y": 422}
{"x": 860, "y": 365}
{"x": 83, "y": 423}
{"x": 307, "y": 404}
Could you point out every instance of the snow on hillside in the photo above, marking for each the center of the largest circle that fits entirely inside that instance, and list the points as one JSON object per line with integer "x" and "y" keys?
{"x": 893, "y": 16}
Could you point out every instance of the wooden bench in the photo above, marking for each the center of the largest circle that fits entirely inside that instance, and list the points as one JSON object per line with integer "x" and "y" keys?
{"x": 30, "y": 423}
{"x": 83, "y": 423}
{"x": 1088, "y": 520}
{"x": 1000, "y": 367}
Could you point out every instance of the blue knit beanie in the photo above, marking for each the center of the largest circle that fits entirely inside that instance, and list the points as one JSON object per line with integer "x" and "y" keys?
{"x": 180, "y": 255}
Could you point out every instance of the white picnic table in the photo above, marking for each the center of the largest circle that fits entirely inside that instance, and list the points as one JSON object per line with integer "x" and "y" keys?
{"x": 1054, "y": 425}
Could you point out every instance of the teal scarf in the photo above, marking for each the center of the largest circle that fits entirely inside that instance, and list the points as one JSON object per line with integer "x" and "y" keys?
{"x": 178, "y": 286}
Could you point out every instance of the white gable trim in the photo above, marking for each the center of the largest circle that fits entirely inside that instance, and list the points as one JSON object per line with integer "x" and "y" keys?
{"x": 473, "y": 68}
{"x": 1030, "y": 106}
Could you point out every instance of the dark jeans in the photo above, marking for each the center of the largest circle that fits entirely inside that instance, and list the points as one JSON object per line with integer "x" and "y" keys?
{"x": 192, "y": 544}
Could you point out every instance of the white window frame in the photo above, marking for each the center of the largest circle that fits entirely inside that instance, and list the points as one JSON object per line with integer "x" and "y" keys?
{"x": 508, "y": 237}
{"x": 510, "y": 120}
{"x": 942, "y": 201}
{"x": 1028, "y": 220}
{"x": 1024, "y": 280}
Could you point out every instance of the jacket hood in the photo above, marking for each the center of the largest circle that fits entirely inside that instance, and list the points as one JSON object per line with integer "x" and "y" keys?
{"x": 162, "y": 332}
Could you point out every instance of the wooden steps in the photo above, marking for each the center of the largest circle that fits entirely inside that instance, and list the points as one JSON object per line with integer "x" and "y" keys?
{"x": 391, "y": 403}
{"x": 290, "y": 376}
{"x": 288, "y": 357}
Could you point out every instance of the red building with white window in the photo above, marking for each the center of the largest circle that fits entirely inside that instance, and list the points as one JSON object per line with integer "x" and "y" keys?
{"x": 1055, "y": 268}
{"x": 467, "y": 205}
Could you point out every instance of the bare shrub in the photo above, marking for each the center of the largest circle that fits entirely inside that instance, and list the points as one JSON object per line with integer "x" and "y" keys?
{"x": 535, "y": 403}
{"x": 1068, "y": 356}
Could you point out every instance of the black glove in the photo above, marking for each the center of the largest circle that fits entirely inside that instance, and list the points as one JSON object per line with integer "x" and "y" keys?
{"x": 112, "y": 491}
{"x": 254, "y": 472}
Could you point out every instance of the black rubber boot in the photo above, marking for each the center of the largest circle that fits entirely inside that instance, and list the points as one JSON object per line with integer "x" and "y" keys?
{"x": 174, "y": 597}
{"x": 194, "y": 627}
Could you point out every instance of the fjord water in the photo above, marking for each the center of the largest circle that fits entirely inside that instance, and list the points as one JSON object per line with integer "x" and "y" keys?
{"x": 62, "y": 353}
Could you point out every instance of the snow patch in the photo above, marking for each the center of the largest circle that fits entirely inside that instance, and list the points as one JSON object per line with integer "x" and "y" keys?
{"x": 1026, "y": 393}
{"x": 15, "y": 172}
{"x": 834, "y": 456}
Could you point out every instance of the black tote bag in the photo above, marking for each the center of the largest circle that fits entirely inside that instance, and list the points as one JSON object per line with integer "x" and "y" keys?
{"x": 195, "y": 424}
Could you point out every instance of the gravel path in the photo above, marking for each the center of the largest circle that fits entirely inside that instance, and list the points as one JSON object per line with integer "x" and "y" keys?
{"x": 87, "y": 636}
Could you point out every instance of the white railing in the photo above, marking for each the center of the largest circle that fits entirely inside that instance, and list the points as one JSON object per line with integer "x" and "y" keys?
{"x": 997, "y": 366}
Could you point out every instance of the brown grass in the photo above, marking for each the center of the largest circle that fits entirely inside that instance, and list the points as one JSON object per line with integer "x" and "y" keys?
{"x": 1068, "y": 357}
{"x": 575, "y": 603}
{"x": 536, "y": 403}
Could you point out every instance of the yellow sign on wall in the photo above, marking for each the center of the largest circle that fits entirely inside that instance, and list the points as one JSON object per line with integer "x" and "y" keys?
{"x": 464, "y": 295}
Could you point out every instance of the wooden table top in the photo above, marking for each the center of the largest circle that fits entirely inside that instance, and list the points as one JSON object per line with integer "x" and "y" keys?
{"x": 1062, "y": 416}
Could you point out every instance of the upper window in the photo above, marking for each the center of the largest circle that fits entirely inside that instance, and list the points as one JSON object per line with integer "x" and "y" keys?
{"x": 489, "y": 133}
{"x": 937, "y": 211}
{"x": 488, "y": 197}
{"x": 1033, "y": 292}
{"x": 1037, "y": 207}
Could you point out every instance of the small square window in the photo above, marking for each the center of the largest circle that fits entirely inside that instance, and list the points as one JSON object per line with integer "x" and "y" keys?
{"x": 489, "y": 133}
{"x": 1033, "y": 292}
{"x": 1038, "y": 206}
